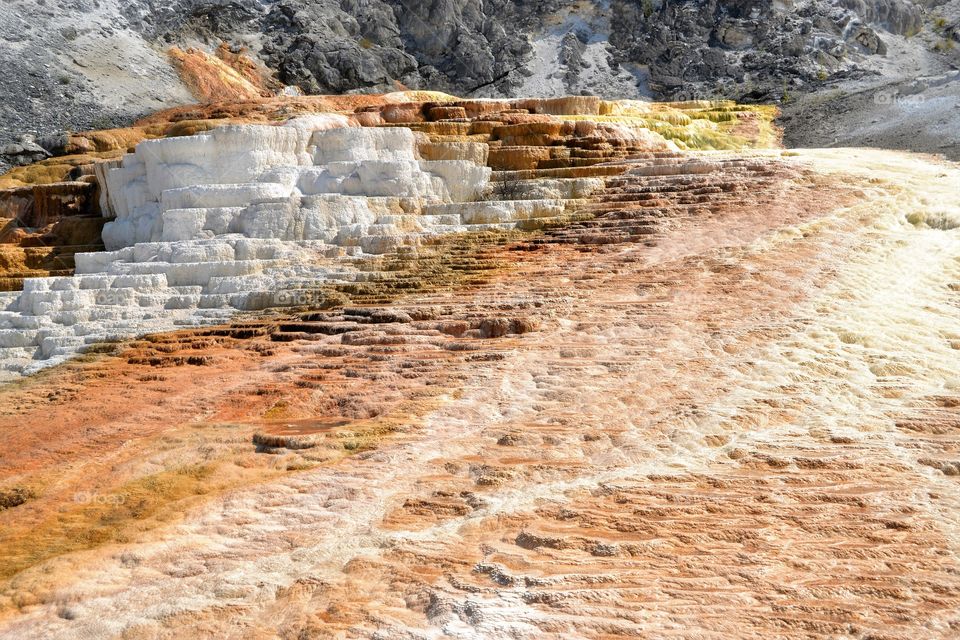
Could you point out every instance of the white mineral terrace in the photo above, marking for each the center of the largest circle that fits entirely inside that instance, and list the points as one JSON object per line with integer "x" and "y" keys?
{"x": 235, "y": 219}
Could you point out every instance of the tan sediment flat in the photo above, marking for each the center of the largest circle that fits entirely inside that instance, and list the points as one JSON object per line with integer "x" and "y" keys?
{"x": 726, "y": 406}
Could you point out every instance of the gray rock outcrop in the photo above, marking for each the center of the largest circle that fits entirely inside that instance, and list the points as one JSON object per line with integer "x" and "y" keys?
{"x": 79, "y": 64}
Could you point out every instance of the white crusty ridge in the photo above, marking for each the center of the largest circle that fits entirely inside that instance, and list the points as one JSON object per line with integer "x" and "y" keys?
{"x": 216, "y": 183}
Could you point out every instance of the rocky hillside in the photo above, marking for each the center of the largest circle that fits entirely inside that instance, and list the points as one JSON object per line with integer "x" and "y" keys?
{"x": 83, "y": 64}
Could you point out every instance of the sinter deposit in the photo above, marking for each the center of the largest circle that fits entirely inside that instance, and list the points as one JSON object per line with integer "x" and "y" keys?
{"x": 209, "y": 224}
{"x": 245, "y": 216}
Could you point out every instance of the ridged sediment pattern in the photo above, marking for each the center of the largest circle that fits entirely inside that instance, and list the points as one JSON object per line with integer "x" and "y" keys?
{"x": 721, "y": 403}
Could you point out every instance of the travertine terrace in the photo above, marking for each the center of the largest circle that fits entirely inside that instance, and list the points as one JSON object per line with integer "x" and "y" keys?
{"x": 247, "y": 216}
{"x": 421, "y": 367}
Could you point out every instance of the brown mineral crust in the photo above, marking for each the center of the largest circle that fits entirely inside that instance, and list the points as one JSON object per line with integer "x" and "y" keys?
{"x": 264, "y": 110}
{"x": 226, "y": 76}
{"x": 44, "y": 226}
